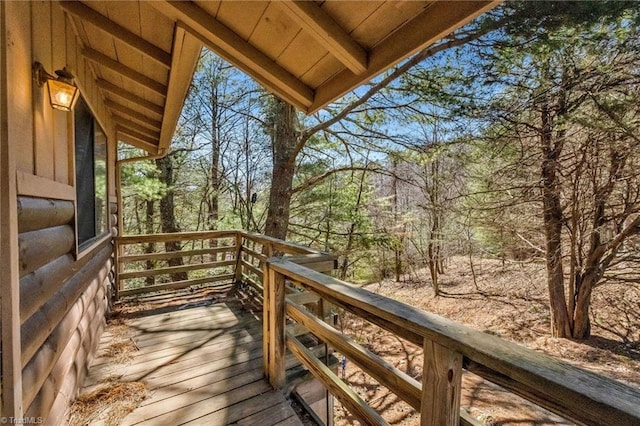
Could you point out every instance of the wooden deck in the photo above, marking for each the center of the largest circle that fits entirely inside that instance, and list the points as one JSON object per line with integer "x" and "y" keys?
{"x": 200, "y": 361}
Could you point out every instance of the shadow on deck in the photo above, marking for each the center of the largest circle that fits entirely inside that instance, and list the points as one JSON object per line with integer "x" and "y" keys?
{"x": 199, "y": 355}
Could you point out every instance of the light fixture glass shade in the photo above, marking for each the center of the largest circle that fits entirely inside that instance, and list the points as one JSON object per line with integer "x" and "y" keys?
{"x": 62, "y": 95}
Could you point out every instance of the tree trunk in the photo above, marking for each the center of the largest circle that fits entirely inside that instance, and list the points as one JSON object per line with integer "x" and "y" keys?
{"x": 283, "y": 139}
{"x": 167, "y": 214}
{"x": 552, "y": 218}
{"x": 581, "y": 321}
{"x": 352, "y": 229}
{"x": 213, "y": 204}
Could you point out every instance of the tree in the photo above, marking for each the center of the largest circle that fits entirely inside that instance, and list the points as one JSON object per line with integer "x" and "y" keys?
{"x": 571, "y": 97}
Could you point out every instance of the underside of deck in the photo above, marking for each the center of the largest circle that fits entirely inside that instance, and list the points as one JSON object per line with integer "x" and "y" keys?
{"x": 199, "y": 356}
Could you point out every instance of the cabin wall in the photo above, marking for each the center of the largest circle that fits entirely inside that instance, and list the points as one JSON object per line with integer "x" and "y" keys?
{"x": 54, "y": 298}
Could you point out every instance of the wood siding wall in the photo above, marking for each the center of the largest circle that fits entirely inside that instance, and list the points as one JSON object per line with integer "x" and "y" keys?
{"x": 54, "y": 300}
{"x": 62, "y": 305}
{"x": 41, "y": 32}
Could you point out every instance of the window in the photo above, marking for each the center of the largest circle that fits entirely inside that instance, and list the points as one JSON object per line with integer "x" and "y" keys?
{"x": 91, "y": 175}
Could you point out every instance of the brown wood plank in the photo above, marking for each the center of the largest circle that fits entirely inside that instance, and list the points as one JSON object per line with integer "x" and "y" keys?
{"x": 274, "y": 415}
{"x": 441, "y": 385}
{"x": 184, "y": 411}
{"x": 167, "y": 386}
{"x": 202, "y": 365}
{"x": 163, "y": 403}
{"x": 170, "y": 344}
{"x": 258, "y": 404}
{"x": 386, "y": 374}
{"x": 174, "y": 269}
{"x": 177, "y": 285}
{"x": 156, "y": 359}
{"x": 347, "y": 396}
{"x": 159, "y": 347}
{"x": 211, "y": 310}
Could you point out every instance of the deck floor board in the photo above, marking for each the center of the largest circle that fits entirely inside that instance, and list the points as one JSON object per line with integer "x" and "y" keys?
{"x": 201, "y": 364}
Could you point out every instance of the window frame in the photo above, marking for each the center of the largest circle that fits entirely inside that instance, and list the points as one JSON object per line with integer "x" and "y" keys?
{"x": 88, "y": 245}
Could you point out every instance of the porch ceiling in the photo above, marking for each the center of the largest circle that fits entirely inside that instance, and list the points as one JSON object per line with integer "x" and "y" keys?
{"x": 307, "y": 52}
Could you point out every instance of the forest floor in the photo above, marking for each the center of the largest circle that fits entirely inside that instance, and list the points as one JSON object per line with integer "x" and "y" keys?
{"x": 509, "y": 301}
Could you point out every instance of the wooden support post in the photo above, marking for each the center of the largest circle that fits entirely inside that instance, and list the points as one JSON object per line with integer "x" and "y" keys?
{"x": 276, "y": 320}
{"x": 10, "y": 138}
{"x": 266, "y": 285}
{"x": 441, "y": 385}
{"x": 119, "y": 266}
{"x": 238, "y": 270}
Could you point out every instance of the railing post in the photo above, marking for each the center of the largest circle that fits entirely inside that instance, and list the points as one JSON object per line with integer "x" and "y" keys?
{"x": 274, "y": 318}
{"x": 238, "y": 271}
{"x": 441, "y": 386}
{"x": 119, "y": 269}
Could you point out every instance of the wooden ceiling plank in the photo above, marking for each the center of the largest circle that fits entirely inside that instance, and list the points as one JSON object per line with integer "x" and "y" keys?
{"x": 130, "y": 124}
{"x": 425, "y": 29}
{"x": 229, "y": 11}
{"x": 145, "y": 145}
{"x": 155, "y": 26}
{"x": 186, "y": 52}
{"x": 136, "y": 135}
{"x": 386, "y": 19}
{"x": 125, "y": 71}
{"x": 226, "y": 43}
{"x": 148, "y": 49}
{"x": 119, "y": 91}
{"x": 326, "y": 31}
{"x": 274, "y": 32}
{"x": 131, "y": 113}
{"x": 301, "y": 55}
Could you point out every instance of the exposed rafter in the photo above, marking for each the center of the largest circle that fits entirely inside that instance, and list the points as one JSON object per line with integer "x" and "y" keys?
{"x": 146, "y": 121}
{"x": 144, "y": 143}
{"x": 186, "y": 51}
{"x": 233, "y": 48}
{"x": 86, "y": 14}
{"x": 434, "y": 23}
{"x": 125, "y": 71}
{"x": 328, "y": 33}
{"x": 125, "y": 122}
{"x": 118, "y": 91}
{"x": 137, "y": 135}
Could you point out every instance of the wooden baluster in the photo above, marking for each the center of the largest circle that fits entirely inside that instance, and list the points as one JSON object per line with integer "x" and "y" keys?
{"x": 238, "y": 271}
{"x": 441, "y": 385}
{"x": 266, "y": 341}
{"x": 119, "y": 268}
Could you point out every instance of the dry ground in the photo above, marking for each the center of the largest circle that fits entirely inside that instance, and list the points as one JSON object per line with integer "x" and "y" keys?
{"x": 509, "y": 301}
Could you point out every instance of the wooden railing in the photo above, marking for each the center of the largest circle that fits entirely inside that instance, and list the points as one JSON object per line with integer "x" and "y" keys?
{"x": 297, "y": 295}
{"x": 573, "y": 393}
{"x": 218, "y": 258}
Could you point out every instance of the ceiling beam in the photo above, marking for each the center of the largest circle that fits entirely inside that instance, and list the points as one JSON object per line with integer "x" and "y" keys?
{"x": 130, "y": 124}
{"x": 186, "y": 52}
{"x": 434, "y": 23}
{"x": 141, "y": 102}
{"x": 145, "y": 143}
{"x": 125, "y": 71}
{"x": 234, "y": 49}
{"x": 136, "y": 135}
{"x": 319, "y": 25}
{"x": 86, "y": 14}
{"x": 131, "y": 113}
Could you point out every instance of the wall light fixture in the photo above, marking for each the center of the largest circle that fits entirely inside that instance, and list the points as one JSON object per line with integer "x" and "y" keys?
{"x": 63, "y": 91}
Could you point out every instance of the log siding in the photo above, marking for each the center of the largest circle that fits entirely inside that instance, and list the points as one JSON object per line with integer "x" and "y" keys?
{"x": 63, "y": 303}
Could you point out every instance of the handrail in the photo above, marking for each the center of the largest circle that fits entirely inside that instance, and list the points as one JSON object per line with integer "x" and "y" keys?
{"x": 245, "y": 261}
{"x": 174, "y": 236}
{"x": 571, "y": 392}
